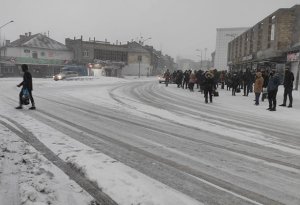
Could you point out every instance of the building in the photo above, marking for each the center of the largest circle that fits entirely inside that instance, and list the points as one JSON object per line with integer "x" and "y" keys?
{"x": 224, "y": 36}
{"x": 101, "y": 56}
{"x": 44, "y": 56}
{"x": 269, "y": 43}
{"x": 132, "y": 58}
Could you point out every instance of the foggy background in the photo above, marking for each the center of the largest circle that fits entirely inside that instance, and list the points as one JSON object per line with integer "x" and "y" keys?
{"x": 177, "y": 28}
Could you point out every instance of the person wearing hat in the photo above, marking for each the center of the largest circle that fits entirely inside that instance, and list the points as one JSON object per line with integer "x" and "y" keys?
{"x": 26, "y": 84}
{"x": 209, "y": 86}
{"x": 272, "y": 89}
{"x": 288, "y": 87}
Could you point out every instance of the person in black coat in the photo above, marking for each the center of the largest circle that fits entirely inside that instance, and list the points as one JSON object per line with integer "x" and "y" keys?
{"x": 272, "y": 88}
{"x": 235, "y": 83}
{"x": 209, "y": 86}
{"x": 247, "y": 82}
{"x": 26, "y": 84}
{"x": 288, "y": 87}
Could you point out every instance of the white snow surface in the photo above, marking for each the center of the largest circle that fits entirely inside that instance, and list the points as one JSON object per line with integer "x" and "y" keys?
{"x": 40, "y": 182}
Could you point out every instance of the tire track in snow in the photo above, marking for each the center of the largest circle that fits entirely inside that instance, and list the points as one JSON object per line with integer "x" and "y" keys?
{"x": 222, "y": 147}
{"x": 87, "y": 185}
{"x": 250, "y": 196}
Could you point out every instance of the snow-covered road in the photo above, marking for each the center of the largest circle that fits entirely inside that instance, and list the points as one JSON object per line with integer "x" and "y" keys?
{"x": 138, "y": 142}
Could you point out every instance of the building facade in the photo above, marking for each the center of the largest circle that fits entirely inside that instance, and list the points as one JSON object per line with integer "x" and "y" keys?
{"x": 44, "y": 56}
{"x": 132, "y": 58}
{"x": 224, "y": 36}
{"x": 268, "y": 44}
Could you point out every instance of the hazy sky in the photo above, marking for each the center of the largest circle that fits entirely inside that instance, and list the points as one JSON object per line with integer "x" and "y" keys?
{"x": 177, "y": 27}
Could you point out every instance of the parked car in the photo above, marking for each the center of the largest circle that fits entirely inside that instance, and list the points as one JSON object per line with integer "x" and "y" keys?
{"x": 65, "y": 74}
{"x": 81, "y": 70}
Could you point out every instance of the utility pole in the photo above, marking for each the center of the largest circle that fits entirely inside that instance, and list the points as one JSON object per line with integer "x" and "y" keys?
{"x": 200, "y": 57}
{"x": 139, "y": 59}
{"x": 205, "y": 49}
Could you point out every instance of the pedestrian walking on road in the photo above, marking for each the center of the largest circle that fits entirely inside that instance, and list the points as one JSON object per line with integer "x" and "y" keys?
{"x": 26, "y": 87}
{"x": 288, "y": 87}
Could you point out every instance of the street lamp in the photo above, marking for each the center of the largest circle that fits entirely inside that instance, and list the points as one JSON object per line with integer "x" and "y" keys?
{"x": 0, "y": 33}
{"x": 6, "y": 24}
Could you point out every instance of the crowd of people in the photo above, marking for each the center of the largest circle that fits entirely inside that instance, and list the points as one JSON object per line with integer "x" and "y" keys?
{"x": 262, "y": 83}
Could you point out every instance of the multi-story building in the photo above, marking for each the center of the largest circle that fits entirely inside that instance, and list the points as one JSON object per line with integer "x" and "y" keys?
{"x": 44, "y": 55}
{"x": 224, "y": 36}
{"x": 269, "y": 43}
{"x": 132, "y": 58}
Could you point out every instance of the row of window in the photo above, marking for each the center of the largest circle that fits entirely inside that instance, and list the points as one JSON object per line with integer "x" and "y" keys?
{"x": 34, "y": 54}
{"x": 7, "y": 69}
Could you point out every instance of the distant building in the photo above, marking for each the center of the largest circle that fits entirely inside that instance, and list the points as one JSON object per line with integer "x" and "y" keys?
{"x": 224, "y": 36}
{"x": 132, "y": 58}
{"x": 44, "y": 55}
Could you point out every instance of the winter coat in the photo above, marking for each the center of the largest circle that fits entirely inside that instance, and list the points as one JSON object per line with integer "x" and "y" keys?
{"x": 259, "y": 82}
{"x": 247, "y": 77}
{"x": 167, "y": 75}
{"x": 288, "y": 79}
{"x": 235, "y": 80}
{"x": 179, "y": 77}
{"x": 27, "y": 81}
{"x": 274, "y": 82}
{"x": 193, "y": 78}
{"x": 209, "y": 81}
{"x": 266, "y": 80}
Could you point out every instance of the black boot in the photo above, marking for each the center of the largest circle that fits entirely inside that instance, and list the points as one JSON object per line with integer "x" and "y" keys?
{"x": 32, "y": 107}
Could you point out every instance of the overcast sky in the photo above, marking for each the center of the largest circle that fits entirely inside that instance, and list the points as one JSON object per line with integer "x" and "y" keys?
{"x": 177, "y": 27}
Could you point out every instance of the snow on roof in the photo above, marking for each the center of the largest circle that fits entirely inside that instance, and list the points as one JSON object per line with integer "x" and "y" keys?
{"x": 38, "y": 41}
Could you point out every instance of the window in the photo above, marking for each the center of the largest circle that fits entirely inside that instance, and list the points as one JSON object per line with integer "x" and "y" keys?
{"x": 273, "y": 32}
{"x": 26, "y": 51}
{"x": 8, "y": 70}
{"x": 34, "y": 54}
{"x": 42, "y": 53}
{"x": 85, "y": 53}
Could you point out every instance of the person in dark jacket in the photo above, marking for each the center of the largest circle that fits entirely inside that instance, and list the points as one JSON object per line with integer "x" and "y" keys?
{"x": 186, "y": 78}
{"x": 179, "y": 77}
{"x": 288, "y": 87}
{"x": 209, "y": 86}
{"x": 247, "y": 82}
{"x": 235, "y": 83}
{"x": 26, "y": 84}
{"x": 272, "y": 89}
{"x": 265, "y": 76}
